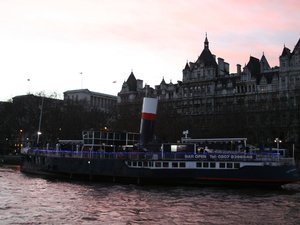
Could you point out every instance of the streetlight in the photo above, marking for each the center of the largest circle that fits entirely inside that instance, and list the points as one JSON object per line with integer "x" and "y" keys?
{"x": 40, "y": 122}
{"x": 20, "y": 139}
{"x": 81, "y": 76}
{"x": 28, "y": 81}
{"x": 38, "y": 137}
{"x": 59, "y": 134}
{"x": 277, "y": 140}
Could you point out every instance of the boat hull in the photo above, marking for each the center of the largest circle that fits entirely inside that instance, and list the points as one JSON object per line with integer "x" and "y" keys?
{"x": 118, "y": 170}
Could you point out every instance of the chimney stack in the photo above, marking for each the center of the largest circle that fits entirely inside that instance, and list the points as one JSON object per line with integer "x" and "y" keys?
{"x": 147, "y": 120}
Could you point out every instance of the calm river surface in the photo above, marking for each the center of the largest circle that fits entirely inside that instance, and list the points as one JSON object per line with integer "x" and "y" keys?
{"x": 33, "y": 200}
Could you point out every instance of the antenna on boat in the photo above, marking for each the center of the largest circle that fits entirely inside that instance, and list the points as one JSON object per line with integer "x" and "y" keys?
{"x": 185, "y": 133}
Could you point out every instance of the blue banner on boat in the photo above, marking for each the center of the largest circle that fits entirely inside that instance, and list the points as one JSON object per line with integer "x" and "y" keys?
{"x": 223, "y": 157}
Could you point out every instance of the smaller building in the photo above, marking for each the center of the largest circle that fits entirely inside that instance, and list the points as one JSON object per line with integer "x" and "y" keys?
{"x": 4, "y": 104}
{"x": 92, "y": 100}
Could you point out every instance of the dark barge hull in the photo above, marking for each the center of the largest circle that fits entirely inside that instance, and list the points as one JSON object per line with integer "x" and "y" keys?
{"x": 116, "y": 170}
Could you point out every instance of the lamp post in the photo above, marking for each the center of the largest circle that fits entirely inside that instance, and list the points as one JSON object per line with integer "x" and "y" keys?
{"x": 28, "y": 81}
{"x": 40, "y": 122}
{"x": 277, "y": 141}
{"x": 81, "y": 77}
{"x": 38, "y": 137}
{"x": 20, "y": 140}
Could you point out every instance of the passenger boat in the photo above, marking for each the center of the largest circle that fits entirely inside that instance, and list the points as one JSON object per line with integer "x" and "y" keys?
{"x": 136, "y": 158}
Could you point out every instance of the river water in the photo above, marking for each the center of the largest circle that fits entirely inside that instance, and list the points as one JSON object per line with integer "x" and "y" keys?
{"x": 34, "y": 200}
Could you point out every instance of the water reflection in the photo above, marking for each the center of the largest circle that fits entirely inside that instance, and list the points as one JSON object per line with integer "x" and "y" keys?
{"x": 26, "y": 199}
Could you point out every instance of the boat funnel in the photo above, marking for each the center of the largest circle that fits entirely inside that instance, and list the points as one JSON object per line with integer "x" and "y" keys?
{"x": 147, "y": 120}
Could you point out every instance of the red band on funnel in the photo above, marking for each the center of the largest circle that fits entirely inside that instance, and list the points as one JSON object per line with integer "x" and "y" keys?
{"x": 148, "y": 116}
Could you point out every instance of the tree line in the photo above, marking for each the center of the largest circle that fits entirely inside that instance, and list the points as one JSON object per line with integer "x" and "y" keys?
{"x": 60, "y": 120}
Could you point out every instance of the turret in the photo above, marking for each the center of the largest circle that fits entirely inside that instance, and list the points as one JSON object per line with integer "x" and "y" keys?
{"x": 147, "y": 120}
{"x": 238, "y": 69}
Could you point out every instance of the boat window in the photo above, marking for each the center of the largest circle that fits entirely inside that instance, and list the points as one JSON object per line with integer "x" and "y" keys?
{"x": 182, "y": 164}
{"x": 165, "y": 164}
{"x": 205, "y": 164}
{"x": 158, "y": 164}
{"x": 150, "y": 164}
{"x": 236, "y": 165}
{"x": 129, "y": 163}
{"x": 174, "y": 164}
{"x": 222, "y": 165}
{"x": 133, "y": 163}
{"x": 140, "y": 164}
{"x": 212, "y": 165}
{"x": 145, "y": 164}
{"x": 198, "y": 164}
{"x": 229, "y": 165}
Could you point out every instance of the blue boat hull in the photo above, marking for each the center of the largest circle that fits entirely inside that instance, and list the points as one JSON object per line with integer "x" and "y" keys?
{"x": 118, "y": 170}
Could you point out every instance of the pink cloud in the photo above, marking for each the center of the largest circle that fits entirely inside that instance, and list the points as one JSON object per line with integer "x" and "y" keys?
{"x": 169, "y": 31}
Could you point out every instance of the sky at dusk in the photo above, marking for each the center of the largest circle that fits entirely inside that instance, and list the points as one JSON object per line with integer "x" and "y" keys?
{"x": 46, "y": 45}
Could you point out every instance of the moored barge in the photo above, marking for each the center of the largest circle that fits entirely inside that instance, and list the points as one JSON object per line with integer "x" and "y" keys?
{"x": 132, "y": 157}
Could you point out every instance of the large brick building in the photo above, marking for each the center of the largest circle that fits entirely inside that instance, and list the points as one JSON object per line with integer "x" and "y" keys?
{"x": 258, "y": 102}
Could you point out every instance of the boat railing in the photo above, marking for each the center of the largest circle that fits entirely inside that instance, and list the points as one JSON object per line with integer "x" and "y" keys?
{"x": 187, "y": 156}
{"x": 287, "y": 160}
